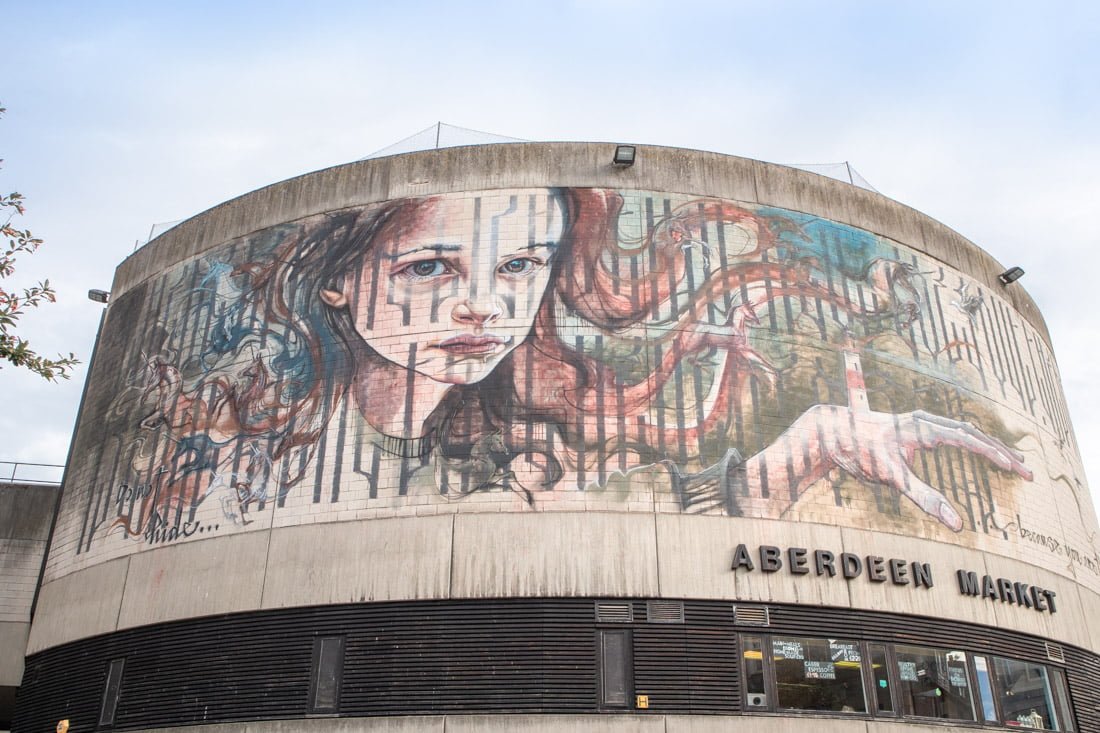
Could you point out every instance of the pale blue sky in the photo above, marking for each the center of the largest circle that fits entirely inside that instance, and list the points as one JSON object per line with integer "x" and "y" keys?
{"x": 121, "y": 115}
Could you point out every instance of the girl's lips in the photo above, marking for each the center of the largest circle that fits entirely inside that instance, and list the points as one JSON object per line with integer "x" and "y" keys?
{"x": 469, "y": 344}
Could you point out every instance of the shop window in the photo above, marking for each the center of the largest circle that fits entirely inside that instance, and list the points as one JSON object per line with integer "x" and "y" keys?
{"x": 818, "y": 674}
{"x": 1029, "y": 694}
{"x": 789, "y": 673}
{"x": 985, "y": 690}
{"x": 934, "y": 683}
{"x": 615, "y": 671}
{"x": 328, "y": 667}
{"x": 111, "y": 692}
{"x": 1061, "y": 698}
{"x": 756, "y": 695}
{"x": 880, "y": 680}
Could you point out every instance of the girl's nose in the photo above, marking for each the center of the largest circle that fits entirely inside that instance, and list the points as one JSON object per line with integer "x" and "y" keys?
{"x": 477, "y": 312}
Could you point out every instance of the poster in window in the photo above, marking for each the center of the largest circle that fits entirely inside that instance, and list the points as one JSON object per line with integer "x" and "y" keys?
{"x": 908, "y": 671}
{"x": 844, "y": 651}
{"x": 820, "y": 670}
{"x": 788, "y": 649}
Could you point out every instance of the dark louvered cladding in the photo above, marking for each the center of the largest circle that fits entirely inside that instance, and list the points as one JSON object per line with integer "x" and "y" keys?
{"x": 1083, "y": 671}
{"x": 485, "y": 656}
{"x": 712, "y": 679}
{"x": 660, "y": 667}
{"x": 810, "y": 621}
{"x": 511, "y": 657}
{"x": 687, "y": 669}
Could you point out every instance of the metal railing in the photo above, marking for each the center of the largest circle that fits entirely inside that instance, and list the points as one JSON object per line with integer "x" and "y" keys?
{"x": 20, "y": 472}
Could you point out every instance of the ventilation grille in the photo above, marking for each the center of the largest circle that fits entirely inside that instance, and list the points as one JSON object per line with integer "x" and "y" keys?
{"x": 665, "y": 612}
{"x": 1054, "y": 653}
{"x": 751, "y": 616}
{"x": 614, "y": 613}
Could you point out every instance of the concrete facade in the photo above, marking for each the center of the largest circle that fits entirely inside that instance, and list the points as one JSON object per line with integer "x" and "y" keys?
{"x": 26, "y": 511}
{"x": 676, "y": 557}
{"x": 520, "y": 372}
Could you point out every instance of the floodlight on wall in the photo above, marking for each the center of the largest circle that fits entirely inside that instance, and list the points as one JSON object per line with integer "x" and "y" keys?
{"x": 1011, "y": 275}
{"x": 624, "y": 155}
{"x": 99, "y": 296}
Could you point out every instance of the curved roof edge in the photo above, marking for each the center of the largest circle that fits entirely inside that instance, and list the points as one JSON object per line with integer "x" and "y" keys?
{"x": 490, "y": 166}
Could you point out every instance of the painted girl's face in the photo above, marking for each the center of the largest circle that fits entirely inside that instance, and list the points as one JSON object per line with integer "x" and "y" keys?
{"x": 452, "y": 283}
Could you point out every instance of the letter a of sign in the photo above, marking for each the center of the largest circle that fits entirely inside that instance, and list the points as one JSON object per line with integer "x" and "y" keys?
{"x": 741, "y": 558}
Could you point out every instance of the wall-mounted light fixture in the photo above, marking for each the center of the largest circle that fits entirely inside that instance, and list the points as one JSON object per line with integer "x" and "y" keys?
{"x": 99, "y": 296}
{"x": 624, "y": 155}
{"x": 1011, "y": 275}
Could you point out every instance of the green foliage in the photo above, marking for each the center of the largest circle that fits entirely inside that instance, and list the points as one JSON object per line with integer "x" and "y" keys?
{"x": 14, "y": 304}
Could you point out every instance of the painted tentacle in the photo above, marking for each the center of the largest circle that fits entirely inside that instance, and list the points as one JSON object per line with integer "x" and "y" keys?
{"x": 617, "y": 300}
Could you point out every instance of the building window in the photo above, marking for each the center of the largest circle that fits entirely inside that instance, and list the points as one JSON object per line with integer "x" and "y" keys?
{"x": 1029, "y": 695}
{"x": 111, "y": 692}
{"x": 934, "y": 683}
{"x": 615, "y": 674}
{"x": 882, "y": 691}
{"x": 756, "y": 695}
{"x": 790, "y": 673}
{"x": 327, "y": 671}
{"x": 818, "y": 674}
{"x": 985, "y": 690}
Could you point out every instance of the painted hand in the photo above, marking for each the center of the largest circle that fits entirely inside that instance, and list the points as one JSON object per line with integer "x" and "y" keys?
{"x": 879, "y": 447}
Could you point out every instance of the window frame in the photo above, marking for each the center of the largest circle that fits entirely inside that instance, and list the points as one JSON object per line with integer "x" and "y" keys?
{"x": 766, "y": 675}
{"x": 971, "y": 680}
{"x": 627, "y": 669}
{"x": 1056, "y": 678}
{"x": 891, "y": 680}
{"x": 1059, "y": 695}
{"x": 312, "y": 709}
{"x": 771, "y": 685}
{"x": 105, "y": 721}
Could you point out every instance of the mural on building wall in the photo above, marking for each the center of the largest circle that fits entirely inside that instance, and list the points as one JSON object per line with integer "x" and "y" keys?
{"x": 544, "y": 347}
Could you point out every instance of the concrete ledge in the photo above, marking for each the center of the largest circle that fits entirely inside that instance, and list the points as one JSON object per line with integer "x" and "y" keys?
{"x": 345, "y": 562}
{"x": 610, "y": 723}
{"x": 696, "y": 552}
{"x": 551, "y": 554}
{"x": 79, "y": 605}
{"x": 554, "y": 554}
{"x": 220, "y": 575}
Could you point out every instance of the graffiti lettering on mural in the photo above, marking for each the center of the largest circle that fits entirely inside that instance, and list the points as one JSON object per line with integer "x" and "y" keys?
{"x": 580, "y": 348}
{"x": 1038, "y": 538}
{"x": 1088, "y": 560}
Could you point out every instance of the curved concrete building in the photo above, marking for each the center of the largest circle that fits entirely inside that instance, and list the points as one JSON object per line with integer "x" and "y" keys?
{"x": 509, "y": 437}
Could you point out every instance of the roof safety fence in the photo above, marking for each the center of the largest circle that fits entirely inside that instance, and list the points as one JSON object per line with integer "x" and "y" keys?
{"x": 441, "y": 135}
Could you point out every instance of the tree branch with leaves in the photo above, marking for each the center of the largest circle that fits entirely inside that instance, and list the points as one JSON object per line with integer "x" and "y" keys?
{"x": 14, "y": 303}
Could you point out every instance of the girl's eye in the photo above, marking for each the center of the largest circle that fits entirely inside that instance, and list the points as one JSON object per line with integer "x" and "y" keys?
{"x": 519, "y": 266}
{"x": 423, "y": 270}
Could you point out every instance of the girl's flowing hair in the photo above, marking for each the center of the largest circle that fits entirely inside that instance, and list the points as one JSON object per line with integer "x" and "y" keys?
{"x": 247, "y": 408}
{"x": 621, "y": 285}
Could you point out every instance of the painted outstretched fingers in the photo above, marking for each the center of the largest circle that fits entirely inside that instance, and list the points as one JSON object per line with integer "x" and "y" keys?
{"x": 874, "y": 447}
{"x": 931, "y": 431}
